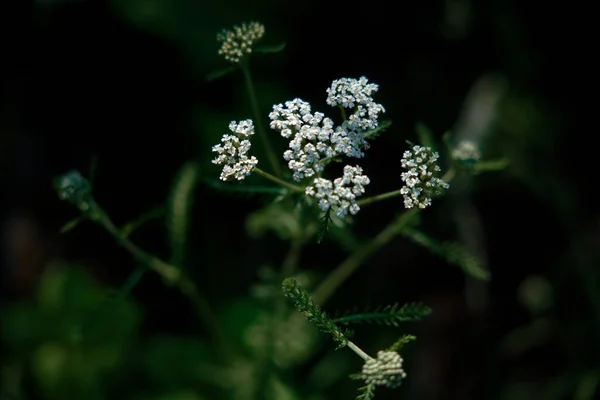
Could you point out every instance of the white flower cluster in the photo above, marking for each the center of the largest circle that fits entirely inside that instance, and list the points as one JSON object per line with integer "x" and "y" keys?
{"x": 385, "y": 370}
{"x": 238, "y": 42}
{"x": 466, "y": 152}
{"x": 356, "y": 94}
{"x": 314, "y": 137}
{"x": 233, "y": 151}
{"x": 421, "y": 180}
{"x": 341, "y": 193}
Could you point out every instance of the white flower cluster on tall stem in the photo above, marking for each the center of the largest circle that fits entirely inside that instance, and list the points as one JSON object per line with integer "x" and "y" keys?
{"x": 341, "y": 193}
{"x": 233, "y": 151}
{"x": 237, "y": 43}
{"x": 385, "y": 370}
{"x": 421, "y": 180}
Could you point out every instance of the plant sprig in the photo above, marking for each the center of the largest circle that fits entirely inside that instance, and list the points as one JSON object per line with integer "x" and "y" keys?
{"x": 389, "y": 315}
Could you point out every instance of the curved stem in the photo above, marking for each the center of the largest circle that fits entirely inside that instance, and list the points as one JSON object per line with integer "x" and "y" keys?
{"x": 275, "y": 179}
{"x": 262, "y": 133}
{"x": 171, "y": 275}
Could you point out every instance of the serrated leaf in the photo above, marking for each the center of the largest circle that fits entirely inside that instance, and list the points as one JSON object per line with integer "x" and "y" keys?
{"x": 390, "y": 315}
{"x": 382, "y": 127}
{"x": 454, "y": 253}
{"x": 401, "y": 342}
{"x": 366, "y": 392}
{"x": 179, "y": 207}
{"x": 269, "y": 48}
{"x": 324, "y": 226}
{"x": 216, "y": 74}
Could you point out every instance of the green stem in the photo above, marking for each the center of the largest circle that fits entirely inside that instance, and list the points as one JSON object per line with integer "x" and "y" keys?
{"x": 262, "y": 133}
{"x": 275, "y": 179}
{"x": 351, "y": 264}
{"x": 358, "y": 351}
{"x": 171, "y": 275}
{"x": 379, "y": 197}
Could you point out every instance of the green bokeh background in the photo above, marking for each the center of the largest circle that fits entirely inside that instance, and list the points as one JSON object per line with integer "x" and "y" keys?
{"x": 123, "y": 82}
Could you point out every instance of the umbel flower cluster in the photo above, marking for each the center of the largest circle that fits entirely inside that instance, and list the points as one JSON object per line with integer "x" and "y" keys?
{"x": 315, "y": 141}
{"x": 238, "y": 43}
{"x": 385, "y": 370}
{"x": 421, "y": 180}
{"x": 233, "y": 152}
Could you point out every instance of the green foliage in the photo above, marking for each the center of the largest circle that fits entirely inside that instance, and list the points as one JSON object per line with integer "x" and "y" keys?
{"x": 454, "y": 253}
{"x": 179, "y": 206}
{"x": 324, "y": 226}
{"x": 366, "y": 392}
{"x": 382, "y": 127}
{"x": 304, "y": 303}
{"x": 246, "y": 190}
{"x": 401, "y": 342}
{"x": 389, "y": 315}
{"x": 276, "y": 48}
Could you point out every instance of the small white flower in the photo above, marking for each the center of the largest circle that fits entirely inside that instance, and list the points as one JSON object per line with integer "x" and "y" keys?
{"x": 341, "y": 193}
{"x": 421, "y": 180}
{"x": 385, "y": 370}
{"x": 466, "y": 153}
{"x": 237, "y": 43}
{"x": 233, "y": 151}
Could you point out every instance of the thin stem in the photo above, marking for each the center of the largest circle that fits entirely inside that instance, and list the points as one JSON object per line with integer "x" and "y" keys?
{"x": 171, "y": 275}
{"x": 262, "y": 133}
{"x": 379, "y": 197}
{"x": 358, "y": 351}
{"x": 354, "y": 260}
{"x": 275, "y": 179}
{"x": 351, "y": 264}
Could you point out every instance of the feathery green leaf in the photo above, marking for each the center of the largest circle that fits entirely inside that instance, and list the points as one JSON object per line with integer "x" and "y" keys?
{"x": 401, "y": 342}
{"x": 324, "y": 227}
{"x": 305, "y": 304}
{"x": 453, "y": 252}
{"x": 382, "y": 127}
{"x": 366, "y": 392}
{"x": 390, "y": 315}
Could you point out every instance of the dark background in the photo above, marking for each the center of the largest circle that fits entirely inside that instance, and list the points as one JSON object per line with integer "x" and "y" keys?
{"x": 122, "y": 82}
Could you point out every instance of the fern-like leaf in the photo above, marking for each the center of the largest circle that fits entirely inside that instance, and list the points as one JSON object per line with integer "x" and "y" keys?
{"x": 382, "y": 127}
{"x": 390, "y": 315}
{"x": 324, "y": 227}
{"x": 305, "y": 304}
{"x": 401, "y": 342}
{"x": 454, "y": 253}
{"x": 179, "y": 207}
{"x": 366, "y": 392}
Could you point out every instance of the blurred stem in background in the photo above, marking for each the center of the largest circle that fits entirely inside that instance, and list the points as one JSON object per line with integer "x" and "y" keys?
{"x": 258, "y": 121}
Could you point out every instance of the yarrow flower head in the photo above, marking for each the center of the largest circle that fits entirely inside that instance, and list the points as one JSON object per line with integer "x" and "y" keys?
{"x": 233, "y": 151}
{"x": 421, "y": 180}
{"x": 237, "y": 43}
{"x": 341, "y": 193}
{"x": 314, "y": 138}
{"x": 466, "y": 153}
{"x": 356, "y": 94}
{"x": 385, "y": 370}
